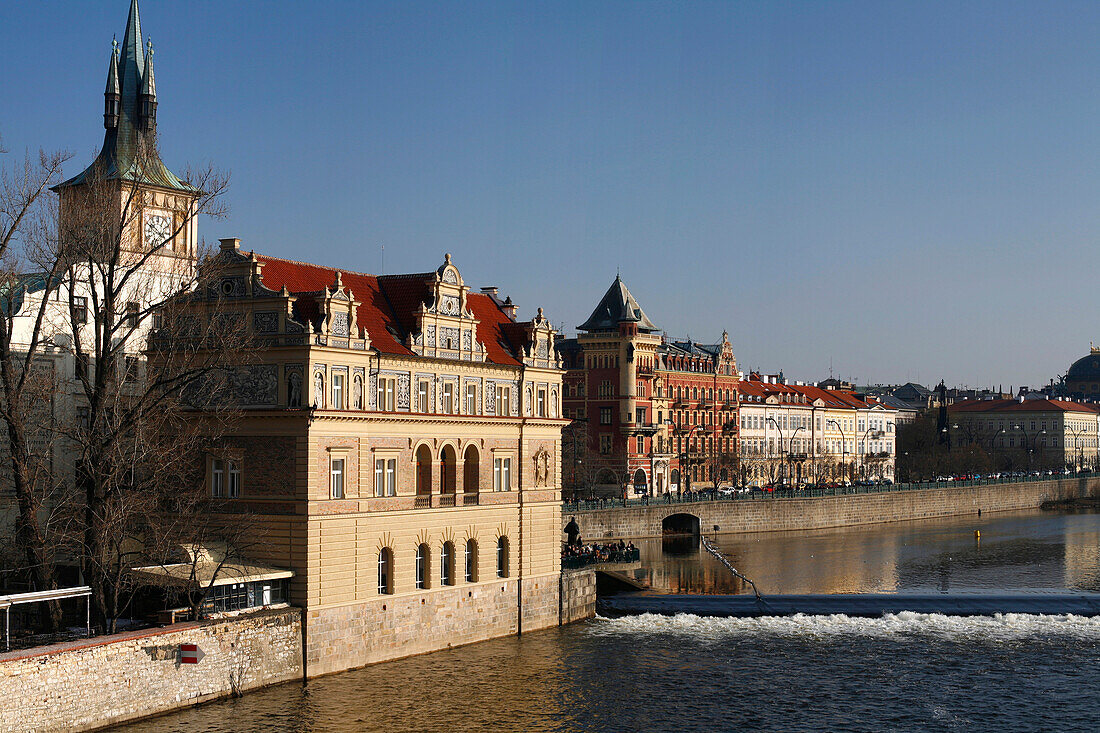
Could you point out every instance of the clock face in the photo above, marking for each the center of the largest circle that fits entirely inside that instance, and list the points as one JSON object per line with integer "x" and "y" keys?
{"x": 158, "y": 228}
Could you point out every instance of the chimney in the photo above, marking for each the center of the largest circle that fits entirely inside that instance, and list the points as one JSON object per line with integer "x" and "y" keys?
{"x": 231, "y": 244}
{"x": 509, "y": 308}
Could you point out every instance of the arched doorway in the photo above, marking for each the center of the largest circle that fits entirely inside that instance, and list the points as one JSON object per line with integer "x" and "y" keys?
{"x": 423, "y": 475}
{"x": 471, "y": 475}
{"x": 639, "y": 482}
{"x": 674, "y": 480}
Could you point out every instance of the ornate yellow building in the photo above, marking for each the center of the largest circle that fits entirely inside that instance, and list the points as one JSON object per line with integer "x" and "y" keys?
{"x": 399, "y": 451}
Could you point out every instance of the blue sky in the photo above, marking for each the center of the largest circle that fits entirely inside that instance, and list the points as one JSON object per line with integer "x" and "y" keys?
{"x": 898, "y": 190}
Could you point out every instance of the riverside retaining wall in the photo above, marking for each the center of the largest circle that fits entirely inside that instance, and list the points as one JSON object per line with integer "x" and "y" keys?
{"x": 106, "y": 680}
{"x": 771, "y": 514}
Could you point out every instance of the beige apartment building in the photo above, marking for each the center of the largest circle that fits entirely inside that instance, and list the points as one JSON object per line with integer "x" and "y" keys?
{"x": 399, "y": 452}
{"x": 797, "y": 433}
{"x": 1041, "y": 433}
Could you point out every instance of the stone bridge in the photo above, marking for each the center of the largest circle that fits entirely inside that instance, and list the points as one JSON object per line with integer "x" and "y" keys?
{"x": 767, "y": 514}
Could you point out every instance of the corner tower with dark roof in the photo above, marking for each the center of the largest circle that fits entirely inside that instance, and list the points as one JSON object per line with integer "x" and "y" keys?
{"x": 154, "y": 204}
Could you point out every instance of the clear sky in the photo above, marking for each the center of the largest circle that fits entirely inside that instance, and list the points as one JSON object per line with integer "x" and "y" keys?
{"x": 896, "y": 190}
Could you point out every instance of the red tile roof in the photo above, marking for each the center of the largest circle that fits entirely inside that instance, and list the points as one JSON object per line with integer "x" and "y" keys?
{"x": 1044, "y": 405}
{"x": 389, "y": 304}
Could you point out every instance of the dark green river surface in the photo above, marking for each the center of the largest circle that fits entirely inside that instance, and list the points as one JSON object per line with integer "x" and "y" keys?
{"x": 902, "y": 672}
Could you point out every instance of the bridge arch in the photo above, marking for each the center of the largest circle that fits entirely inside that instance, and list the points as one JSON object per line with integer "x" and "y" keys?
{"x": 680, "y": 523}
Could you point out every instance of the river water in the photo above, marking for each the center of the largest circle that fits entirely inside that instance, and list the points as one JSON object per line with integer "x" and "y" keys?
{"x": 905, "y": 672}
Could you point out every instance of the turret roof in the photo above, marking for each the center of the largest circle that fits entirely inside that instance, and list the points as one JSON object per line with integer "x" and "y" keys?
{"x": 617, "y": 306}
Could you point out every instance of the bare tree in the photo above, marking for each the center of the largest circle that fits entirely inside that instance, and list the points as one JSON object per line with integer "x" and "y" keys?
{"x": 29, "y": 273}
{"x": 123, "y": 282}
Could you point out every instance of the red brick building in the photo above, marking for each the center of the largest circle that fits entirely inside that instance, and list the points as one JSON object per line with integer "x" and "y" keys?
{"x": 647, "y": 412}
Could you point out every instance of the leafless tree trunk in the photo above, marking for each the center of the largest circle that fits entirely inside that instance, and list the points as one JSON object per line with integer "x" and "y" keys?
{"x": 136, "y": 444}
{"x": 29, "y": 272}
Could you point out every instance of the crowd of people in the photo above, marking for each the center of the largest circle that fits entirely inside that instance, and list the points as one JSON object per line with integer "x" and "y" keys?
{"x": 578, "y": 553}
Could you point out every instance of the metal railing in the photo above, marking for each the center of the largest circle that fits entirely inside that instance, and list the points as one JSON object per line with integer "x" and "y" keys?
{"x": 709, "y": 494}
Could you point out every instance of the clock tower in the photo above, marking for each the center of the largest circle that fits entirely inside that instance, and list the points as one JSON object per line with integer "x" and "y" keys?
{"x": 127, "y": 197}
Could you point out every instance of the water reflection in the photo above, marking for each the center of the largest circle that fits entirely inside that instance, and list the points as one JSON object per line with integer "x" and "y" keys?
{"x": 1022, "y": 551}
{"x": 689, "y": 674}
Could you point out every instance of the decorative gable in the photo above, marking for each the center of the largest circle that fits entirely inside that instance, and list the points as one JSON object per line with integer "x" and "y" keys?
{"x": 445, "y": 326}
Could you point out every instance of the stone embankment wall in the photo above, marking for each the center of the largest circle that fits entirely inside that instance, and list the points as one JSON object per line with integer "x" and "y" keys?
{"x": 401, "y": 625}
{"x": 578, "y": 595}
{"x": 110, "y": 679}
{"x": 771, "y": 514}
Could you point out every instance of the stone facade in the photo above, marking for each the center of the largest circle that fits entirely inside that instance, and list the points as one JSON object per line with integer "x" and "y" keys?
{"x": 107, "y": 680}
{"x": 407, "y": 465}
{"x": 768, "y": 514}
{"x": 578, "y": 595}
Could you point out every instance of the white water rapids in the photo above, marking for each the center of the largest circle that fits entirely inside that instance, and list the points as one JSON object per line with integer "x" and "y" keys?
{"x": 1000, "y": 627}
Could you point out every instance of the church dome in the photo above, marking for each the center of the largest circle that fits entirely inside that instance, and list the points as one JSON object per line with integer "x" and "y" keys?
{"x": 1086, "y": 368}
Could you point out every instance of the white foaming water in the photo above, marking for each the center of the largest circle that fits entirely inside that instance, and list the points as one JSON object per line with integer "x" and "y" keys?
{"x": 999, "y": 627}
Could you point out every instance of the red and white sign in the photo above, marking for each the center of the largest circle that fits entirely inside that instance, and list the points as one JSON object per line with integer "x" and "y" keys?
{"x": 190, "y": 654}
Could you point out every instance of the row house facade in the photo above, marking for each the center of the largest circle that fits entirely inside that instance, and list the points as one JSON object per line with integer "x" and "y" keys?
{"x": 646, "y": 412}
{"x": 1047, "y": 433}
{"x": 398, "y": 451}
{"x": 792, "y": 434}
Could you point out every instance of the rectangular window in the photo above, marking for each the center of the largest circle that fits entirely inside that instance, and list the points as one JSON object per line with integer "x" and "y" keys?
{"x": 81, "y": 366}
{"x": 130, "y": 320}
{"x": 605, "y": 445}
{"x": 504, "y": 400}
{"x": 336, "y": 478}
{"x": 338, "y": 391}
{"x": 641, "y": 444}
{"x": 217, "y": 477}
{"x": 471, "y": 399}
{"x": 540, "y": 403}
{"x": 448, "y": 398}
{"x": 80, "y": 309}
{"x": 233, "y": 486}
{"x": 502, "y": 474}
{"x": 385, "y": 477}
{"x": 605, "y": 416}
{"x": 387, "y": 391}
{"x": 131, "y": 363}
{"x": 422, "y": 396}
{"x": 639, "y": 415}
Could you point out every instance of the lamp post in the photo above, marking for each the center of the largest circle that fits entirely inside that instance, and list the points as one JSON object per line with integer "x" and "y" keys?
{"x": 1076, "y": 435}
{"x": 576, "y": 460}
{"x": 866, "y": 432}
{"x": 1029, "y": 442}
{"x": 774, "y": 422}
{"x": 790, "y": 450}
{"x": 843, "y": 440}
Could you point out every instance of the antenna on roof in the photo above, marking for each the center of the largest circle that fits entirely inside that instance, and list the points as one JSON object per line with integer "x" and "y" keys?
{"x": 382, "y": 260}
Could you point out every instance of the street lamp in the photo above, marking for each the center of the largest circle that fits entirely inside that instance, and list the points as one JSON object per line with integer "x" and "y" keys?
{"x": 790, "y": 451}
{"x": 576, "y": 460}
{"x": 843, "y": 440}
{"x": 773, "y": 421}
{"x": 1076, "y": 434}
{"x": 1029, "y": 442}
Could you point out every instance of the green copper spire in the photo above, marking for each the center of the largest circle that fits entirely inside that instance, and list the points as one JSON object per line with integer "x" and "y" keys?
{"x": 129, "y": 145}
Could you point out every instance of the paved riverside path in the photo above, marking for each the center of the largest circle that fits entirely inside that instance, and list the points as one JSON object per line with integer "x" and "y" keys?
{"x": 812, "y": 510}
{"x": 869, "y": 605}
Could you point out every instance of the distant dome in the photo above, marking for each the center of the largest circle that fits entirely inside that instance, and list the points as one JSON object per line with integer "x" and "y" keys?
{"x": 1085, "y": 369}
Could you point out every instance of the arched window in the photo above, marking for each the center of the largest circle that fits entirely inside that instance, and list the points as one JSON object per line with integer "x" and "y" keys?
{"x": 423, "y": 566}
{"x": 502, "y": 557}
{"x": 471, "y": 561}
{"x": 448, "y": 468}
{"x": 447, "y": 564}
{"x": 423, "y": 471}
{"x": 385, "y": 571}
{"x": 471, "y": 471}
